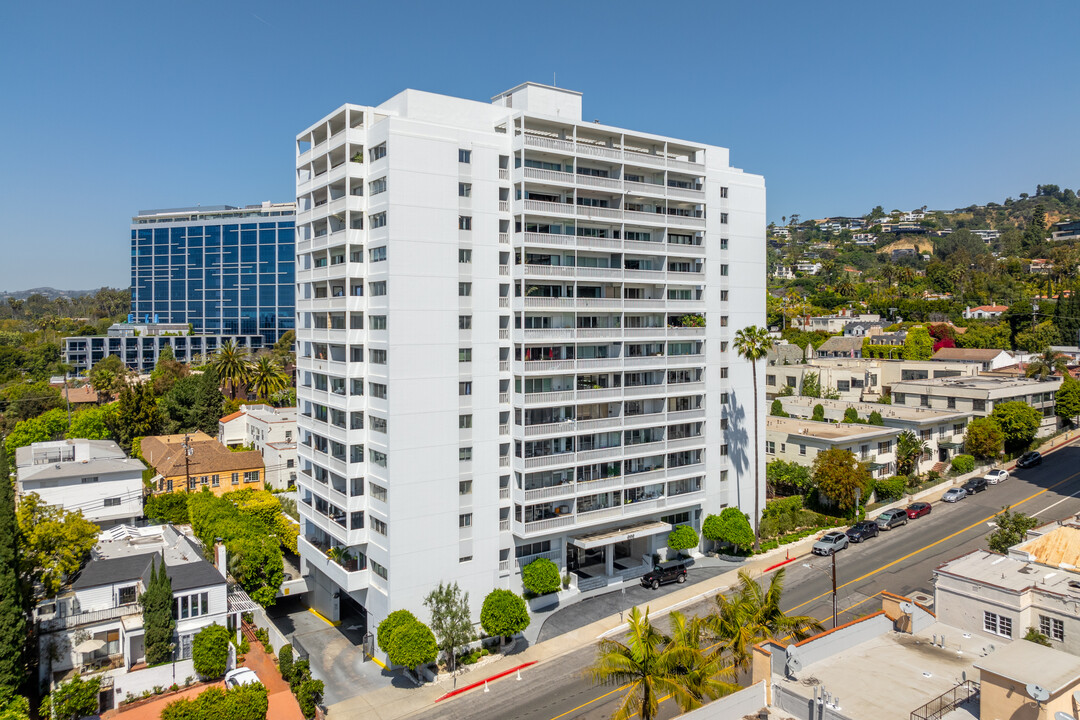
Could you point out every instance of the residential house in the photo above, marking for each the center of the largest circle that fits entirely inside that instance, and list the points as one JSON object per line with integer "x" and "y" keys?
{"x": 196, "y": 460}
{"x": 808, "y": 268}
{"x": 1066, "y": 230}
{"x": 984, "y": 312}
{"x": 785, "y": 353}
{"x": 270, "y": 431}
{"x": 942, "y": 431}
{"x": 783, "y": 272}
{"x": 139, "y": 345}
{"x": 864, "y": 328}
{"x": 980, "y": 394}
{"x": 865, "y": 239}
{"x": 832, "y": 324}
{"x": 1040, "y": 266}
{"x": 841, "y": 346}
{"x": 987, "y": 360}
{"x": 987, "y": 235}
{"x": 80, "y": 396}
{"x": 799, "y": 440}
{"x": 859, "y": 379}
{"x": 95, "y": 477}
{"x": 101, "y": 603}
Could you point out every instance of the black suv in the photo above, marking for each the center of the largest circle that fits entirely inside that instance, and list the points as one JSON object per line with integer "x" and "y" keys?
{"x": 863, "y": 530}
{"x": 664, "y": 573}
{"x": 974, "y": 485}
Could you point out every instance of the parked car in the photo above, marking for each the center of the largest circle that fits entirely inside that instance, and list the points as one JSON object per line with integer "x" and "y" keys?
{"x": 863, "y": 530}
{"x": 954, "y": 494}
{"x": 830, "y": 543}
{"x": 975, "y": 485}
{"x": 241, "y": 676}
{"x": 891, "y": 518}
{"x": 1029, "y": 459}
{"x": 995, "y": 476}
{"x": 918, "y": 509}
{"x": 664, "y": 573}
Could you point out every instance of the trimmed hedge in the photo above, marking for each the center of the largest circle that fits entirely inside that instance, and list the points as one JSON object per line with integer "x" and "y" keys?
{"x": 247, "y": 702}
{"x": 210, "y": 651}
{"x": 891, "y": 488}
{"x": 963, "y": 464}
{"x": 541, "y": 577}
{"x": 783, "y": 506}
{"x": 387, "y": 627}
{"x": 683, "y": 537}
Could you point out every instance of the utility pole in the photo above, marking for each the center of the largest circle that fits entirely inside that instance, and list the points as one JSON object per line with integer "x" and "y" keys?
{"x": 187, "y": 466}
{"x": 1034, "y": 310}
{"x": 67, "y": 398}
{"x": 833, "y": 555}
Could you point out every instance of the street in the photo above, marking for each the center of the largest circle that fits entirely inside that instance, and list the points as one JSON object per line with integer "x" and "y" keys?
{"x": 901, "y": 561}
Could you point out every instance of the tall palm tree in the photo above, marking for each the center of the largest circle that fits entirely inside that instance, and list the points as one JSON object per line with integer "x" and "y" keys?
{"x": 266, "y": 377}
{"x": 909, "y": 448}
{"x": 753, "y": 343}
{"x": 653, "y": 665}
{"x": 232, "y": 365}
{"x": 1047, "y": 363}
{"x": 752, "y": 614}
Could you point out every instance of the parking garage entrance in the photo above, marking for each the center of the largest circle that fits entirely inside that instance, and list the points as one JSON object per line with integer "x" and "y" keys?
{"x": 615, "y": 552}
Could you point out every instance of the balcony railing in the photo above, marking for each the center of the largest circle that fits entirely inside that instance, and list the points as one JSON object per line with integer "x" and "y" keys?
{"x": 90, "y": 617}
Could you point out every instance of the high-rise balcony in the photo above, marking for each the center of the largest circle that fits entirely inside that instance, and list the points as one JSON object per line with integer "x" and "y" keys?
{"x": 604, "y": 152}
{"x": 348, "y": 575}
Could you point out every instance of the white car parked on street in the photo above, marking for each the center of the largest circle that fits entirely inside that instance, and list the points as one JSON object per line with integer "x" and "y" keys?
{"x": 995, "y": 476}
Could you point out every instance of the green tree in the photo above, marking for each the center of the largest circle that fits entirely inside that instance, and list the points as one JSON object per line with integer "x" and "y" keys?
{"x": 1048, "y": 362}
{"x": 918, "y": 345}
{"x": 284, "y": 351}
{"x": 14, "y": 707}
{"x": 785, "y": 477}
{"x": 168, "y": 508}
{"x": 54, "y": 543}
{"x": 158, "y": 622}
{"x": 985, "y": 336}
{"x": 838, "y": 474}
{"x": 194, "y": 403}
{"x": 1011, "y": 529}
{"x": 875, "y": 419}
{"x": 683, "y": 537}
{"x": 651, "y": 665}
{"x": 108, "y": 376}
{"x": 167, "y": 371}
{"x": 245, "y": 702}
{"x": 450, "y": 619}
{"x": 1067, "y": 400}
{"x": 412, "y": 645}
{"x": 541, "y": 576}
{"x": 266, "y": 377}
{"x": 27, "y": 400}
{"x": 137, "y": 414}
{"x": 819, "y": 413}
{"x": 258, "y": 566}
{"x": 232, "y": 366}
{"x": 984, "y": 438}
{"x": 1035, "y": 232}
{"x": 811, "y": 385}
{"x": 77, "y": 698}
{"x": 45, "y": 427}
{"x": 777, "y": 409}
{"x": 1019, "y": 422}
{"x": 1038, "y": 339}
{"x": 909, "y": 449}
{"x": 504, "y": 613}
{"x": 851, "y": 415}
{"x": 92, "y": 423}
{"x": 390, "y": 624}
{"x": 285, "y": 661}
{"x": 210, "y": 651}
{"x": 752, "y": 614}
{"x": 731, "y": 526}
{"x": 753, "y": 344}
{"x": 13, "y": 605}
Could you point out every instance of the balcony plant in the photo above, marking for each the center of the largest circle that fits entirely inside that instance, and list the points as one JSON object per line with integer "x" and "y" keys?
{"x": 339, "y": 554}
{"x": 358, "y": 156}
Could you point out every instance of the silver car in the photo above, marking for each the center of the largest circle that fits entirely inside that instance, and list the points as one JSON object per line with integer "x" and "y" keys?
{"x": 830, "y": 543}
{"x": 954, "y": 494}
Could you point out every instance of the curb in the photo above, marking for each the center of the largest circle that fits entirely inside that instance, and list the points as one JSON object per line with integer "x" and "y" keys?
{"x": 485, "y": 681}
{"x": 779, "y": 564}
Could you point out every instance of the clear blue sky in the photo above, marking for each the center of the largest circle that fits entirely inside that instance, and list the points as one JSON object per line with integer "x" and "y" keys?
{"x": 112, "y": 107}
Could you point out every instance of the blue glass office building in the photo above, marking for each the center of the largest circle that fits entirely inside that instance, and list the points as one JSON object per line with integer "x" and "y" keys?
{"x": 225, "y": 270}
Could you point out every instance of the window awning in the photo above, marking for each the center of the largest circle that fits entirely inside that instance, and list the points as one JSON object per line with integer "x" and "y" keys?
{"x": 607, "y": 537}
{"x": 878, "y": 466}
{"x": 950, "y": 445}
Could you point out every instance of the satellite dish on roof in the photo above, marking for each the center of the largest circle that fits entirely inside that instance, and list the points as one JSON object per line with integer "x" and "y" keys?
{"x": 1037, "y": 693}
{"x": 907, "y": 608}
{"x": 793, "y": 664}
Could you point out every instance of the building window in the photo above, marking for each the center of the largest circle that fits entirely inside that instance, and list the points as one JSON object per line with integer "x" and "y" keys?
{"x": 465, "y": 559}
{"x": 379, "y": 570}
{"x": 723, "y": 296}
{"x": 464, "y": 487}
{"x": 464, "y": 388}
{"x": 464, "y": 421}
{"x": 1052, "y": 628}
{"x": 464, "y": 289}
{"x": 378, "y": 525}
{"x": 723, "y": 398}
{"x": 464, "y": 156}
{"x": 723, "y": 270}
{"x": 802, "y": 449}
{"x": 884, "y": 447}
{"x": 377, "y": 254}
{"x": 377, "y": 186}
{"x": 378, "y": 288}
{"x": 378, "y": 322}
{"x": 191, "y": 606}
{"x": 723, "y": 475}
{"x": 464, "y": 222}
{"x": 464, "y": 189}
{"x": 377, "y": 390}
{"x": 724, "y": 450}
{"x": 770, "y": 379}
{"x": 723, "y": 321}
{"x": 236, "y": 478}
{"x": 978, "y": 405}
{"x": 464, "y": 454}
{"x": 950, "y": 403}
{"x": 377, "y": 220}
{"x": 464, "y": 256}
{"x": 464, "y": 322}
{"x": 464, "y": 355}
{"x": 88, "y": 480}
{"x": 723, "y": 218}
{"x": 377, "y": 491}
{"x": 215, "y": 481}
{"x": 377, "y": 152}
{"x": 997, "y": 624}
{"x": 465, "y": 520}
{"x": 770, "y": 447}
{"x": 723, "y": 191}
{"x": 115, "y": 502}
{"x": 378, "y": 357}
{"x": 378, "y": 458}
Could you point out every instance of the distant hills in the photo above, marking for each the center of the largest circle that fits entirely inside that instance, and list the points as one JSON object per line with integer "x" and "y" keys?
{"x": 50, "y": 292}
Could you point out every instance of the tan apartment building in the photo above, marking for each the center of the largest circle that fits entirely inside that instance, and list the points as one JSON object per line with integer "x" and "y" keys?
{"x": 196, "y": 460}
{"x": 979, "y": 395}
{"x": 859, "y": 379}
{"x": 796, "y": 440}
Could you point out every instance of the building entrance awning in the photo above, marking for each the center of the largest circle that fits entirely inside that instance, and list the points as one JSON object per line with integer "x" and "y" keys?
{"x": 607, "y": 537}
{"x": 950, "y": 445}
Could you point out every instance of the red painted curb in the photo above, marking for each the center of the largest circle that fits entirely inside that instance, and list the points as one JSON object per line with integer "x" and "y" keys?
{"x": 478, "y": 683}
{"x": 785, "y": 562}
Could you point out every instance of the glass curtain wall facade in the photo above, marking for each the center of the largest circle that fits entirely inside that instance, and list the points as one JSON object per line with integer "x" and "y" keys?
{"x": 224, "y": 270}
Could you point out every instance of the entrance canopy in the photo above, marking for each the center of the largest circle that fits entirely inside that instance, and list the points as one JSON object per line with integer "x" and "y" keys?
{"x": 607, "y": 537}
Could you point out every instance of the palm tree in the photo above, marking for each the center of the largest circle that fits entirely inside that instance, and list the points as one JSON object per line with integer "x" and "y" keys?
{"x": 1047, "y": 363}
{"x": 752, "y": 343}
{"x": 232, "y": 365}
{"x": 652, "y": 665}
{"x": 909, "y": 448}
{"x": 752, "y": 615}
{"x": 266, "y": 377}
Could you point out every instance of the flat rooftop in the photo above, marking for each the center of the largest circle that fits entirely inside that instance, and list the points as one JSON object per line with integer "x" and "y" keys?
{"x": 1014, "y": 574}
{"x": 176, "y": 543}
{"x": 898, "y": 412}
{"x": 896, "y": 672}
{"x": 826, "y": 430}
{"x": 1056, "y": 545}
{"x": 986, "y": 382}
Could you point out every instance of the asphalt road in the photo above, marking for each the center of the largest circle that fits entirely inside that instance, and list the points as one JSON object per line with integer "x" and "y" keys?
{"x": 901, "y": 561}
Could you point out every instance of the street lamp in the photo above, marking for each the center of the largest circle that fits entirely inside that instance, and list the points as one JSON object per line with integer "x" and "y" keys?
{"x": 811, "y": 567}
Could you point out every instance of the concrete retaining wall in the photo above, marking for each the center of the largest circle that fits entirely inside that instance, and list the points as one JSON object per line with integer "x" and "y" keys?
{"x": 740, "y": 704}
{"x": 140, "y": 681}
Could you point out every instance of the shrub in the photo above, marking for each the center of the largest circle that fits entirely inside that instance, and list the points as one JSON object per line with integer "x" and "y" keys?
{"x": 541, "y": 577}
{"x": 247, "y": 702}
{"x": 413, "y": 645}
{"x": 891, "y": 488}
{"x": 301, "y": 671}
{"x": 783, "y": 506}
{"x": 730, "y": 526}
{"x": 777, "y": 409}
{"x": 683, "y": 537}
{"x": 308, "y": 695}
{"x": 851, "y": 415}
{"x": 963, "y": 464}
{"x": 210, "y": 651}
{"x": 387, "y": 627}
{"x": 285, "y": 662}
{"x": 71, "y": 700}
{"x": 504, "y": 613}
{"x": 819, "y": 413}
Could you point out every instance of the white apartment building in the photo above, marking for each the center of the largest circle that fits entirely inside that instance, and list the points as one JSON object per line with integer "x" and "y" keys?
{"x": 980, "y": 394}
{"x": 800, "y": 440}
{"x": 269, "y": 430}
{"x": 513, "y": 341}
{"x": 91, "y": 476}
